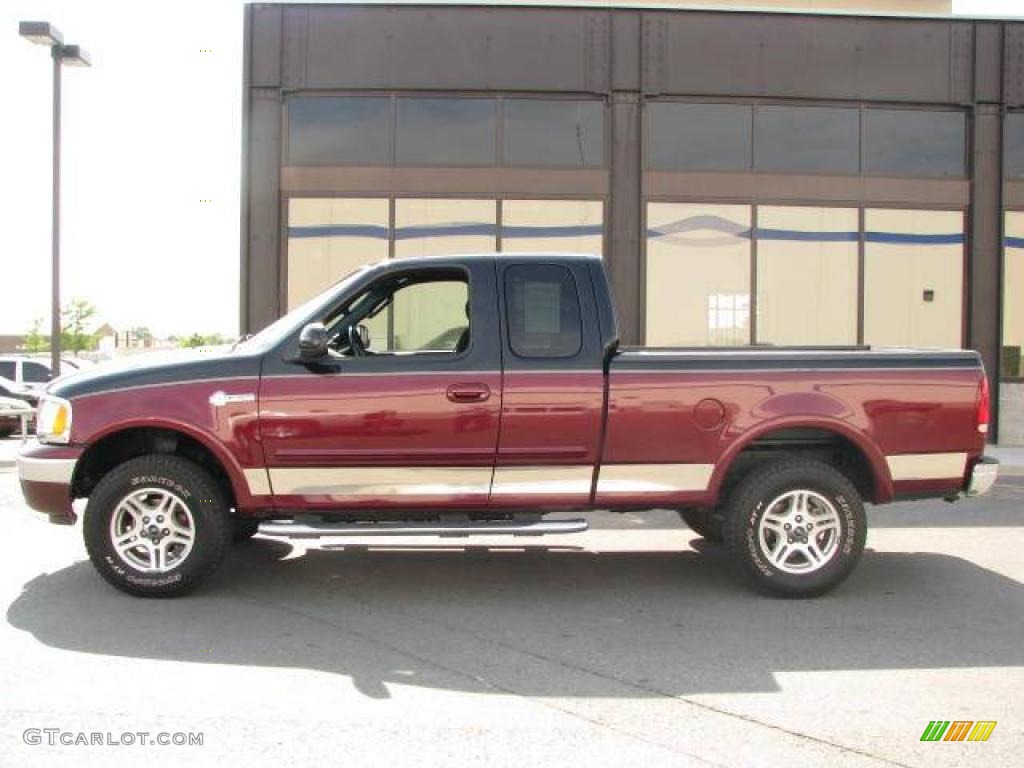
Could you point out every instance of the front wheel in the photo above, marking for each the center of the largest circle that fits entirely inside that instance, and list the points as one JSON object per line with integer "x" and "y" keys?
{"x": 796, "y": 528}
{"x": 156, "y": 526}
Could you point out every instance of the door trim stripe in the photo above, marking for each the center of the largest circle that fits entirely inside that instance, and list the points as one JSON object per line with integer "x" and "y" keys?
{"x": 540, "y": 481}
{"x": 347, "y": 482}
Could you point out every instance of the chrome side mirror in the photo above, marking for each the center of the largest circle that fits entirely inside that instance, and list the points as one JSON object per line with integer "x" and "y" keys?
{"x": 313, "y": 341}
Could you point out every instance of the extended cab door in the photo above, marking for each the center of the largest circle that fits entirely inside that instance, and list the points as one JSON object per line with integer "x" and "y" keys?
{"x": 552, "y": 406}
{"x": 409, "y": 421}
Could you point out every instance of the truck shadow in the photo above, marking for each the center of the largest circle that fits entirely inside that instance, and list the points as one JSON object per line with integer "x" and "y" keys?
{"x": 538, "y": 621}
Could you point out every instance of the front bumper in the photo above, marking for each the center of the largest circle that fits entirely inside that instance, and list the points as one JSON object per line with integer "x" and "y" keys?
{"x": 46, "y": 473}
{"x": 983, "y": 476}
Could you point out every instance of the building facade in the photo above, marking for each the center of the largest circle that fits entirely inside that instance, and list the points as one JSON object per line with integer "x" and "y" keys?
{"x": 748, "y": 177}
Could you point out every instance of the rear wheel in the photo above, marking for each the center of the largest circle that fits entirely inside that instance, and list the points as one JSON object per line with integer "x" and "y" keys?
{"x": 706, "y": 523}
{"x": 156, "y": 526}
{"x": 795, "y": 527}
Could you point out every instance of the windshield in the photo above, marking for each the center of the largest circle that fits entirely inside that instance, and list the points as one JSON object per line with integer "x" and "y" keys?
{"x": 285, "y": 324}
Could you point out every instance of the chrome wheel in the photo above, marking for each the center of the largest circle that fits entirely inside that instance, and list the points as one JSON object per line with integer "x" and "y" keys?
{"x": 152, "y": 530}
{"x": 799, "y": 531}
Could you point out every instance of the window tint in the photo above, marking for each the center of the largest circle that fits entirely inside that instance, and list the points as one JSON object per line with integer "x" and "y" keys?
{"x": 338, "y": 131}
{"x": 698, "y": 137}
{"x": 446, "y": 132}
{"x": 7, "y": 369}
{"x": 35, "y": 373}
{"x": 554, "y": 132}
{"x": 815, "y": 139}
{"x": 1013, "y": 144}
{"x": 543, "y": 311}
{"x": 904, "y": 142}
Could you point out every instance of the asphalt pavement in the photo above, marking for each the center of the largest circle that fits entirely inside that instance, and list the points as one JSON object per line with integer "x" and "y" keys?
{"x": 632, "y": 642}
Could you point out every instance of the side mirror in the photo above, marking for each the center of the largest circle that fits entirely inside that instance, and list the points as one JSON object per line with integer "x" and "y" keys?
{"x": 364, "y": 335}
{"x": 313, "y": 341}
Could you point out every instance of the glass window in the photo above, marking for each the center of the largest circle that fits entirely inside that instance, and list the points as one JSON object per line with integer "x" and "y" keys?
{"x": 913, "y": 278}
{"x": 905, "y": 142}
{"x": 349, "y": 130}
{"x": 7, "y": 369}
{"x": 440, "y": 226}
{"x": 808, "y": 139}
{"x": 446, "y": 132}
{"x": 566, "y": 226}
{"x": 541, "y": 132}
{"x": 330, "y": 237}
{"x": 424, "y": 317}
{"x": 35, "y": 373}
{"x": 1013, "y": 296}
{"x": 1013, "y": 145}
{"x": 698, "y": 137}
{"x": 543, "y": 311}
{"x": 807, "y": 275}
{"x": 698, "y": 275}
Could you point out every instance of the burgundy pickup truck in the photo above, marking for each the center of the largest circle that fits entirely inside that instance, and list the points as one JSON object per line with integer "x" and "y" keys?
{"x": 466, "y": 395}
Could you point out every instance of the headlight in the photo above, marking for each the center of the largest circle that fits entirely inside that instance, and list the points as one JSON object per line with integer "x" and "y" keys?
{"x": 53, "y": 422}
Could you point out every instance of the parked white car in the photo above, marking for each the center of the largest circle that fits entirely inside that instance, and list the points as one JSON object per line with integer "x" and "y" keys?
{"x": 32, "y": 373}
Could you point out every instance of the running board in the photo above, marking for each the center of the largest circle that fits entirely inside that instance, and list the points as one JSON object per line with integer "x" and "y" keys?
{"x": 390, "y": 528}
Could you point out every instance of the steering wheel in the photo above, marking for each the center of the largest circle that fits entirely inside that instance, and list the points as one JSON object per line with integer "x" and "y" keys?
{"x": 355, "y": 341}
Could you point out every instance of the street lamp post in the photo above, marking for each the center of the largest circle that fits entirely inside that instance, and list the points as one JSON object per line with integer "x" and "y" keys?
{"x": 44, "y": 33}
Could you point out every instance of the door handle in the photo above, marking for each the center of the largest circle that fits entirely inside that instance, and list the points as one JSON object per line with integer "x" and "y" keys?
{"x": 468, "y": 393}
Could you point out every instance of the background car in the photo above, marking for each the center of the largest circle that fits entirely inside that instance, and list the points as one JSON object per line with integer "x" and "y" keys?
{"x": 33, "y": 372}
{"x": 11, "y": 410}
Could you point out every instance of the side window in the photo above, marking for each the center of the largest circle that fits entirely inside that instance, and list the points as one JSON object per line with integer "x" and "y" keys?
{"x": 7, "y": 369}
{"x": 407, "y": 314}
{"x": 35, "y": 373}
{"x": 543, "y": 311}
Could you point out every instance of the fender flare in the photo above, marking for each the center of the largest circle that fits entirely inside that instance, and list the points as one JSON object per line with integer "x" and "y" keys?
{"x": 881, "y": 477}
{"x": 228, "y": 463}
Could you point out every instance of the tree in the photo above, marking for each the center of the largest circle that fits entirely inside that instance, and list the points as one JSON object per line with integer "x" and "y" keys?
{"x": 195, "y": 340}
{"x": 73, "y": 319}
{"x": 35, "y": 341}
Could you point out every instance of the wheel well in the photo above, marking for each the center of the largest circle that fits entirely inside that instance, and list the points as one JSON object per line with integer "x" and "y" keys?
{"x": 804, "y": 442}
{"x": 117, "y": 448}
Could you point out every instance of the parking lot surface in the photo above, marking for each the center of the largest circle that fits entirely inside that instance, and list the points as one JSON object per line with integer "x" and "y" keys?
{"x": 632, "y": 642}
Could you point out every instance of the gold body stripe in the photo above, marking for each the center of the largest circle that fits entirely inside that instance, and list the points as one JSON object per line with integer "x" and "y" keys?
{"x": 346, "y": 482}
{"x": 258, "y": 481}
{"x": 564, "y": 480}
{"x": 653, "y": 478}
{"x": 926, "y": 466}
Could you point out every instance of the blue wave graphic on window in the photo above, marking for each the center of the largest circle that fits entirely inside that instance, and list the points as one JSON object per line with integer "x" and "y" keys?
{"x": 454, "y": 229}
{"x": 1013, "y": 242}
{"x": 730, "y": 230}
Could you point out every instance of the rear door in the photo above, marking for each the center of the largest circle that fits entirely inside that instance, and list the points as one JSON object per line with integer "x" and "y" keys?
{"x": 552, "y": 403}
{"x": 413, "y": 424}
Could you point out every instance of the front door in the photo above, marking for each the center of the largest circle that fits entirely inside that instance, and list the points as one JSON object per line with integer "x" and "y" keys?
{"x": 404, "y": 410}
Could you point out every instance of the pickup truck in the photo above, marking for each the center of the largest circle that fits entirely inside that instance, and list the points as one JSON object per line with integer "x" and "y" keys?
{"x": 474, "y": 395}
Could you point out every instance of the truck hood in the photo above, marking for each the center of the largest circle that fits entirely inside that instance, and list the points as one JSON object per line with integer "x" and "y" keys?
{"x": 155, "y": 369}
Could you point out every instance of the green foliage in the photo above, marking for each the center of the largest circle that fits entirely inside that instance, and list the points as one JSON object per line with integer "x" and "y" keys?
{"x": 35, "y": 341}
{"x": 73, "y": 320}
{"x": 199, "y": 340}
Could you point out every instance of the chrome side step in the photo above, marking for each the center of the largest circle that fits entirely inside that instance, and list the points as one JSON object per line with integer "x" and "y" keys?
{"x": 292, "y": 529}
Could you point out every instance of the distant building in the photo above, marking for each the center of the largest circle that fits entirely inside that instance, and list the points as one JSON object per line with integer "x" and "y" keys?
{"x": 749, "y": 177}
{"x": 12, "y": 343}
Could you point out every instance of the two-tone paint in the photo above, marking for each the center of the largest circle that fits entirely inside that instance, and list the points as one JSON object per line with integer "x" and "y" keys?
{"x": 490, "y": 431}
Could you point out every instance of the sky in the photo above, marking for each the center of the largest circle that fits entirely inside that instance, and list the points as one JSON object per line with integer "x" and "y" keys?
{"x": 151, "y": 162}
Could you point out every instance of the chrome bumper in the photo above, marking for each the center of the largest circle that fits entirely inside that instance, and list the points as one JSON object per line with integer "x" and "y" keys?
{"x": 983, "y": 476}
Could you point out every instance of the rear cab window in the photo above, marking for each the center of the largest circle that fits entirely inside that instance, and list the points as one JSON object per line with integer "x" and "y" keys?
{"x": 543, "y": 309}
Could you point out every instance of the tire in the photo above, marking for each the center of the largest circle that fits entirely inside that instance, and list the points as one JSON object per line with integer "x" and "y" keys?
{"x": 706, "y": 523}
{"x": 243, "y": 529}
{"x": 135, "y": 498}
{"x": 814, "y": 561}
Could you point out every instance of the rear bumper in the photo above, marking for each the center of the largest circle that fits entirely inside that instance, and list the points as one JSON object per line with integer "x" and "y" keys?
{"x": 46, "y": 473}
{"x": 983, "y": 476}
